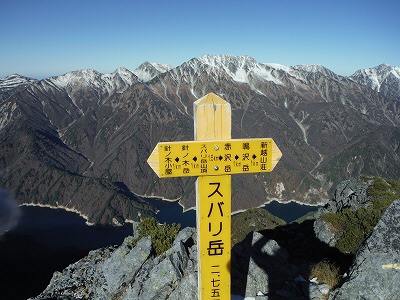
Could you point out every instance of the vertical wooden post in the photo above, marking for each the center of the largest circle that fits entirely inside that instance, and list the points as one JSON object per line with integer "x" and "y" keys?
{"x": 212, "y": 121}
{"x": 211, "y": 157}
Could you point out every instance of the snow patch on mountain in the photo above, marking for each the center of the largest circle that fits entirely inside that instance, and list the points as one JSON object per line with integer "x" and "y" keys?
{"x": 314, "y": 69}
{"x": 279, "y": 67}
{"x": 6, "y": 113}
{"x": 162, "y": 67}
{"x": 301, "y": 126}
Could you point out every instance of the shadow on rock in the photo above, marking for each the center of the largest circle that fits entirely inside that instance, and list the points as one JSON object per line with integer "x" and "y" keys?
{"x": 275, "y": 262}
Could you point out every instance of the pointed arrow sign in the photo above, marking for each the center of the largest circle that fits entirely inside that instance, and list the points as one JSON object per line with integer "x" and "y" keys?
{"x": 212, "y": 158}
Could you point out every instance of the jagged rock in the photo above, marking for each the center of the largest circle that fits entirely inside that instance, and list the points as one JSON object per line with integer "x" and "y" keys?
{"x": 131, "y": 272}
{"x": 351, "y": 193}
{"x": 124, "y": 263}
{"x": 375, "y": 272}
{"x": 311, "y": 289}
{"x": 73, "y": 281}
{"x": 260, "y": 270}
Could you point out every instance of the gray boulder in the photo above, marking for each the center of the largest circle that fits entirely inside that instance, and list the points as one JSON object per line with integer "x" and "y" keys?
{"x": 324, "y": 232}
{"x": 375, "y": 273}
{"x": 124, "y": 263}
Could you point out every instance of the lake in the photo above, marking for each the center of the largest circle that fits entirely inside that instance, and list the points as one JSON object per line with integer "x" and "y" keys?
{"x": 55, "y": 238}
{"x": 289, "y": 211}
{"x": 58, "y": 228}
{"x": 171, "y": 212}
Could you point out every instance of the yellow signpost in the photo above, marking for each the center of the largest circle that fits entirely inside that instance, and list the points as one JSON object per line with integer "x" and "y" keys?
{"x": 213, "y": 157}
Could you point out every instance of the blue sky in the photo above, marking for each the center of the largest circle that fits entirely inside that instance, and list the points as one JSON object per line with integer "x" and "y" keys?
{"x": 41, "y": 38}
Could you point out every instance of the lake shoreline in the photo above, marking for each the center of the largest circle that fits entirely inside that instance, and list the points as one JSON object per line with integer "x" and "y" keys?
{"x": 74, "y": 210}
{"x": 154, "y": 200}
{"x": 69, "y": 209}
{"x": 269, "y": 200}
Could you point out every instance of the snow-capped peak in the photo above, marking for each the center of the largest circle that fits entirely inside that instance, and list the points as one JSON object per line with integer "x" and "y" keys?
{"x": 122, "y": 70}
{"x": 226, "y": 60}
{"x": 374, "y": 77}
{"x": 116, "y": 81}
{"x": 125, "y": 74}
{"x": 14, "y": 80}
{"x": 240, "y": 68}
{"x": 147, "y": 70}
{"x": 309, "y": 68}
{"x": 313, "y": 68}
{"x": 162, "y": 67}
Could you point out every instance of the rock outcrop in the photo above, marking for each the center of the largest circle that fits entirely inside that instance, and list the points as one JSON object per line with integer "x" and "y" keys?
{"x": 260, "y": 269}
{"x": 375, "y": 273}
{"x": 271, "y": 264}
{"x": 131, "y": 271}
{"x": 351, "y": 194}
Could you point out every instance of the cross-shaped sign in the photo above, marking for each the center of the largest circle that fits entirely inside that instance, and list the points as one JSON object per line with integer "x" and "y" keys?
{"x": 213, "y": 157}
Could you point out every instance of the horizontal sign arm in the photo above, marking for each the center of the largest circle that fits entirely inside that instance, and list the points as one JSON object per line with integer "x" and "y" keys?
{"x": 217, "y": 157}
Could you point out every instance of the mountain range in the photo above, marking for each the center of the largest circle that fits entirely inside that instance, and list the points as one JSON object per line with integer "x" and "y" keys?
{"x": 81, "y": 140}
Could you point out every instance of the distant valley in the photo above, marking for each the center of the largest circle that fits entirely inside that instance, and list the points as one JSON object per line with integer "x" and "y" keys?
{"x": 81, "y": 140}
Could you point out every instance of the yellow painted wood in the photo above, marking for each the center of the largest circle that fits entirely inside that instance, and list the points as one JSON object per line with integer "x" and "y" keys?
{"x": 212, "y": 118}
{"x": 154, "y": 160}
{"x": 214, "y": 236}
{"x": 212, "y": 121}
{"x": 214, "y": 153}
{"x": 391, "y": 266}
{"x": 219, "y": 157}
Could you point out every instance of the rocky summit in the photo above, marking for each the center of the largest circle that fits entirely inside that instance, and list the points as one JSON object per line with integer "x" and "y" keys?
{"x": 282, "y": 263}
{"x": 260, "y": 268}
